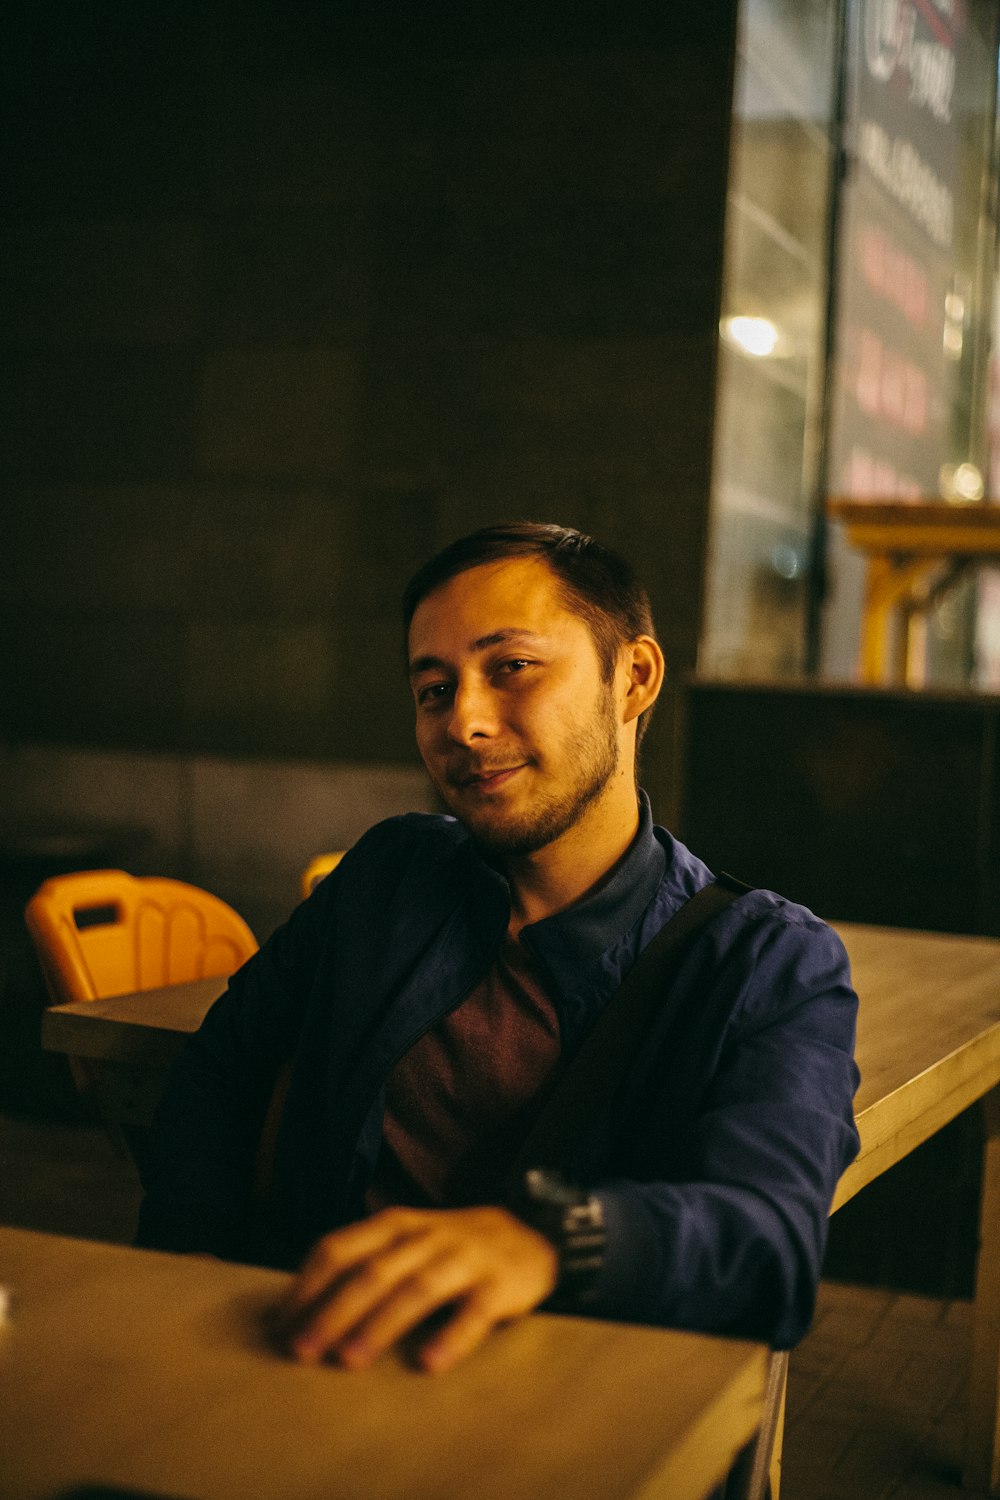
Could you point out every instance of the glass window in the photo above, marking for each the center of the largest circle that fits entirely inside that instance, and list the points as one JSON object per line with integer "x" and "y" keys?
{"x": 770, "y": 384}
{"x": 913, "y": 292}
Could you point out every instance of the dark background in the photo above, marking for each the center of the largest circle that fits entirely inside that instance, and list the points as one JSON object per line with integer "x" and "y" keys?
{"x": 295, "y": 293}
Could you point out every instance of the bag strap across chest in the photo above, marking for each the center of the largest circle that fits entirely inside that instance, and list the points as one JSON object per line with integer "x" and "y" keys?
{"x": 588, "y": 1081}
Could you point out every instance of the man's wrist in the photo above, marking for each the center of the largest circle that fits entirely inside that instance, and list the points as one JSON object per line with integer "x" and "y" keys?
{"x": 573, "y": 1222}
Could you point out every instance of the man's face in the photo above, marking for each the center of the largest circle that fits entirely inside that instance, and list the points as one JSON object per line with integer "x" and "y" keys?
{"x": 519, "y": 732}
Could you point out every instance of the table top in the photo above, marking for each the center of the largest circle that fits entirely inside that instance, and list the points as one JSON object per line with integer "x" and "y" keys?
{"x": 148, "y": 1028}
{"x": 928, "y": 1037}
{"x": 951, "y": 982}
{"x": 933, "y": 528}
{"x": 154, "y": 1371}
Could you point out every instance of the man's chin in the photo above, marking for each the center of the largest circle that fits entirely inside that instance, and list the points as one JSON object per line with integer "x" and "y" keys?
{"x": 507, "y": 843}
{"x": 509, "y": 836}
{"x": 495, "y": 832}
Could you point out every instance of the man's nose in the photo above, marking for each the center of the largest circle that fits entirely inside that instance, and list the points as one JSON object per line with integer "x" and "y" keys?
{"x": 473, "y": 713}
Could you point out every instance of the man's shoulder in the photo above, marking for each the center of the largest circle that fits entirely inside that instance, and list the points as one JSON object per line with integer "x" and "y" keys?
{"x": 410, "y": 842}
{"x": 413, "y": 830}
{"x": 775, "y": 921}
{"x": 404, "y": 869}
{"x": 757, "y": 916}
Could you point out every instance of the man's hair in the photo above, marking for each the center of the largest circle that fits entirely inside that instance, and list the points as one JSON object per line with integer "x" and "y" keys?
{"x": 595, "y": 583}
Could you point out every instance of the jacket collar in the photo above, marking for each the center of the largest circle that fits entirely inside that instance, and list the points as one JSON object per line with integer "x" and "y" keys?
{"x": 587, "y": 929}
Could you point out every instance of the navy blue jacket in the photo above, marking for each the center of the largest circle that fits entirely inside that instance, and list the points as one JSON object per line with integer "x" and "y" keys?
{"x": 715, "y": 1165}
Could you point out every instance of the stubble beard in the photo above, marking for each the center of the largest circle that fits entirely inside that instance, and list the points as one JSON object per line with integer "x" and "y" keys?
{"x": 592, "y": 764}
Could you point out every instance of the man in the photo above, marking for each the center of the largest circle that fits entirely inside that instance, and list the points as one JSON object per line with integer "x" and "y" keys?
{"x": 419, "y": 1002}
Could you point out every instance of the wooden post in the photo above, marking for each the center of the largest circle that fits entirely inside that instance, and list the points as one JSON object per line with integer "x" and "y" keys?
{"x": 982, "y": 1446}
{"x": 896, "y": 590}
{"x": 875, "y": 620}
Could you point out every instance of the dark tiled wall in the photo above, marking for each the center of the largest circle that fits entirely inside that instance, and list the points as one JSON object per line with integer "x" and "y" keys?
{"x": 292, "y": 298}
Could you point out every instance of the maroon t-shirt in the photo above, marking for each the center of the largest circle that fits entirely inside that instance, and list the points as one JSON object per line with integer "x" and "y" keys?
{"x": 459, "y": 1102}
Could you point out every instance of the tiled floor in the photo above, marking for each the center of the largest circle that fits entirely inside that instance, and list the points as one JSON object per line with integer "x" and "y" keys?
{"x": 876, "y": 1399}
{"x": 876, "y": 1392}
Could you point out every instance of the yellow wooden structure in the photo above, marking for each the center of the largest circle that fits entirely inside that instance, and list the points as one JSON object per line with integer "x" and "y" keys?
{"x": 915, "y": 552}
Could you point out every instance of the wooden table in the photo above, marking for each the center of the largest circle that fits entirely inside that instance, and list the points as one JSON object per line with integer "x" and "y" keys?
{"x": 154, "y": 1371}
{"x": 134, "y": 1039}
{"x": 928, "y": 1038}
{"x": 928, "y": 1046}
{"x": 915, "y": 552}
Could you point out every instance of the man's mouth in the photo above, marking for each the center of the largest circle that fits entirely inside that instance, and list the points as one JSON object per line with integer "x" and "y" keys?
{"x": 486, "y": 779}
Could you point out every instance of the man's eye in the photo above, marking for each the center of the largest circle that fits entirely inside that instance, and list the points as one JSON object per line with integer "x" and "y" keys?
{"x": 432, "y": 694}
{"x": 515, "y": 664}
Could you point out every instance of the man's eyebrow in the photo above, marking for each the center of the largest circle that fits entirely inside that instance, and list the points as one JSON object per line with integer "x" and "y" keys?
{"x": 504, "y": 637}
{"x": 481, "y": 643}
{"x": 425, "y": 664}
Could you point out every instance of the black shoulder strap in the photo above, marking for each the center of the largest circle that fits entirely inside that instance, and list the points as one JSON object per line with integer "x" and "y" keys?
{"x": 581, "y": 1089}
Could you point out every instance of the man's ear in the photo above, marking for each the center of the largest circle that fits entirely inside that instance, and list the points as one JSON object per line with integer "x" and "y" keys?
{"x": 644, "y": 666}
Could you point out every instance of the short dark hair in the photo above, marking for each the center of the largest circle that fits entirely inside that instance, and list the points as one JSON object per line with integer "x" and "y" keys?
{"x": 596, "y": 583}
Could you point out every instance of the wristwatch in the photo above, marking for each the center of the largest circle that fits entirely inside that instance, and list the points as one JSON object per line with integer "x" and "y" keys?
{"x": 574, "y": 1221}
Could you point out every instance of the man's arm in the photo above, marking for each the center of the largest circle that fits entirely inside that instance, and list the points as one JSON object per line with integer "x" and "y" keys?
{"x": 734, "y": 1242}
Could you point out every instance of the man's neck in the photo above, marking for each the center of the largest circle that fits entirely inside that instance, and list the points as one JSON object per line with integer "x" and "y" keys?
{"x": 568, "y": 869}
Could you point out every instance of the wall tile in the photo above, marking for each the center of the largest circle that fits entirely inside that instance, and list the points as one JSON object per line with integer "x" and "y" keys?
{"x": 122, "y": 282}
{"x": 242, "y": 828}
{"x": 554, "y": 268}
{"x": 248, "y": 668}
{"x": 255, "y": 826}
{"x": 294, "y": 277}
{"x": 111, "y": 414}
{"x": 294, "y": 300}
{"x": 51, "y": 786}
{"x": 269, "y": 819}
{"x": 289, "y": 142}
{"x": 102, "y": 547}
{"x": 99, "y": 677}
{"x": 272, "y": 549}
{"x": 104, "y": 110}
{"x": 277, "y": 411}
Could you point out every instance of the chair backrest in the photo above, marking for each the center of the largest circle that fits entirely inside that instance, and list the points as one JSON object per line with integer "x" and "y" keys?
{"x": 318, "y": 866}
{"x": 103, "y": 932}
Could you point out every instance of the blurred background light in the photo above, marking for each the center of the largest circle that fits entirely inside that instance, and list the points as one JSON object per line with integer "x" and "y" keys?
{"x": 756, "y": 336}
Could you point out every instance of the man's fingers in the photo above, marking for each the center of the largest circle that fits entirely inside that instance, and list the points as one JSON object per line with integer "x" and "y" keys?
{"x": 463, "y": 1332}
{"x": 438, "y": 1285}
{"x": 394, "y": 1291}
{"x": 367, "y": 1286}
{"x": 332, "y": 1257}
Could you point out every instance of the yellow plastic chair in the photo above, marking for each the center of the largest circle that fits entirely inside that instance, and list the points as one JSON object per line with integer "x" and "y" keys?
{"x": 101, "y": 933}
{"x": 319, "y": 866}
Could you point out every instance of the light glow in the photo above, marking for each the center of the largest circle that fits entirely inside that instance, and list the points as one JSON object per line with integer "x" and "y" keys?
{"x": 756, "y": 336}
{"x": 968, "y": 482}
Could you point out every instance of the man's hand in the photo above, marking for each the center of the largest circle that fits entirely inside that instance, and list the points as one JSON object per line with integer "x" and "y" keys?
{"x": 365, "y": 1287}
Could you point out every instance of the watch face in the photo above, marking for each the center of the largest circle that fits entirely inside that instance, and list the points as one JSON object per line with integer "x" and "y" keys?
{"x": 574, "y": 1223}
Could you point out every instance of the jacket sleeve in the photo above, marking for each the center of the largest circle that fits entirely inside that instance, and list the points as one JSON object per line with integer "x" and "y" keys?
{"x": 733, "y": 1241}
{"x": 198, "y": 1165}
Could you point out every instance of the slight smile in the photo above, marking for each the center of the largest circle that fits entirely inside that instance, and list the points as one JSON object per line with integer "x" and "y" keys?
{"x": 488, "y": 781}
